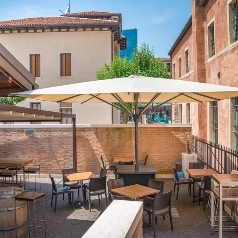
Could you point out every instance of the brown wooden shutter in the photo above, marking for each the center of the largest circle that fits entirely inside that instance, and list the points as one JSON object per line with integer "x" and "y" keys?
{"x": 32, "y": 64}
{"x": 37, "y": 65}
{"x": 68, "y": 64}
{"x": 62, "y": 64}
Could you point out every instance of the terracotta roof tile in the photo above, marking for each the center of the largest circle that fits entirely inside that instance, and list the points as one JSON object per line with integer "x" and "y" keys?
{"x": 61, "y": 20}
{"x": 94, "y": 13}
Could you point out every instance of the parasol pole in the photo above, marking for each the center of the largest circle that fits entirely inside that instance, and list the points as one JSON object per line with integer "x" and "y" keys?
{"x": 136, "y": 122}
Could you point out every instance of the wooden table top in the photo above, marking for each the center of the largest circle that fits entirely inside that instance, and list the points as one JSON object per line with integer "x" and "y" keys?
{"x": 135, "y": 191}
{"x": 15, "y": 161}
{"x": 123, "y": 159}
{"x": 81, "y": 176}
{"x": 201, "y": 172}
{"x": 226, "y": 178}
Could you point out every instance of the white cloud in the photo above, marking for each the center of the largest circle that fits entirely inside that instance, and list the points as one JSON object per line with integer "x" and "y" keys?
{"x": 161, "y": 18}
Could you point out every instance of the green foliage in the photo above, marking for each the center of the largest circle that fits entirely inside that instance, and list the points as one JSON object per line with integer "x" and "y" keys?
{"x": 11, "y": 100}
{"x": 142, "y": 63}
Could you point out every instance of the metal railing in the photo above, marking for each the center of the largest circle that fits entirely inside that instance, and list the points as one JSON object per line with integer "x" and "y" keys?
{"x": 215, "y": 156}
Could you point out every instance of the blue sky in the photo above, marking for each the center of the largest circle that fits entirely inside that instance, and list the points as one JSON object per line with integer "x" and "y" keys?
{"x": 158, "y": 22}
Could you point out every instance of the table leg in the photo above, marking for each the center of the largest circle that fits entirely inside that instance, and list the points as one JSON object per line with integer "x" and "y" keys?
{"x": 220, "y": 212}
{"x": 212, "y": 214}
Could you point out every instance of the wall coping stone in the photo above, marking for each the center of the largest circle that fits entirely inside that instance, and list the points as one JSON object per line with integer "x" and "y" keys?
{"x": 119, "y": 220}
{"x": 8, "y": 126}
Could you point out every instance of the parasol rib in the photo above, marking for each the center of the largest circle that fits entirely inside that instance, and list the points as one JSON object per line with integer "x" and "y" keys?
{"x": 191, "y": 97}
{"x": 122, "y": 102}
{"x": 69, "y": 98}
{"x": 216, "y": 99}
{"x": 156, "y": 95}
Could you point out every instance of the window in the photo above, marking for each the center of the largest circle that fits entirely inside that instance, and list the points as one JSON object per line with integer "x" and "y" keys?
{"x": 186, "y": 61}
{"x": 35, "y": 105}
{"x": 174, "y": 70}
{"x": 233, "y": 20}
{"x": 35, "y": 64}
{"x": 211, "y": 40}
{"x": 214, "y": 106}
{"x": 180, "y": 113}
{"x": 65, "y": 64}
{"x": 66, "y": 108}
{"x": 188, "y": 113}
{"x": 179, "y": 66}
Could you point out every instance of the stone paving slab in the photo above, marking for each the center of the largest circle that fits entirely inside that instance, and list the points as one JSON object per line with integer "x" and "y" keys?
{"x": 189, "y": 219}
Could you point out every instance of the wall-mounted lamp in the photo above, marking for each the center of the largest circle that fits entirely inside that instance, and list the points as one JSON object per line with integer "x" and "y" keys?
{"x": 218, "y": 74}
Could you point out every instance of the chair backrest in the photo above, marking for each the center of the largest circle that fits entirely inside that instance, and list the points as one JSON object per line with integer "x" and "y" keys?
{"x": 162, "y": 201}
{"x": 115, "y": 183}
{"x": 66, "y": 172}
{"x": 53, "y": 183}
{"x": 156, "y": 184}
{"x": 103, "y": 165}
{"x": 103, "y": 172}
{"x": 97, "y": 184}
{"x": 193, "y": 165}
{"x": 126, "y": 162}
{"x": 176, "y": 175}
{"x": 206, "y": 181}
{"x": 146, "y": 158}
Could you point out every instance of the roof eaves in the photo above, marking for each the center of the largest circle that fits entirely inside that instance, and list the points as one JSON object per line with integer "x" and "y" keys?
{"x": 185, "y": 29}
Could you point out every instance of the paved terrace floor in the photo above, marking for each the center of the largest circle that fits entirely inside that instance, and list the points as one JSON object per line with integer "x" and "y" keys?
{"x": 189, "y": 219}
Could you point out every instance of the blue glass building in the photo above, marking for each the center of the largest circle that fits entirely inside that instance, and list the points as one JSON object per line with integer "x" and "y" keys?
{"x": 131, "y": 36}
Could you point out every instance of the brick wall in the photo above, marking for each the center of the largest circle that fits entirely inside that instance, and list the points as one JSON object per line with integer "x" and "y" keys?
{"x": 52, "y": 145}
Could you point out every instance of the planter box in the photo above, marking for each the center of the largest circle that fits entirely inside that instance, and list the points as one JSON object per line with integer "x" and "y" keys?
{"x": 186, "y": 158}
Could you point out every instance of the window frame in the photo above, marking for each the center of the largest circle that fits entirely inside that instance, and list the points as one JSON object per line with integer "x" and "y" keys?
{"x": 31, "y": 106}
{"x": 233, "y": 20}
{"x": 59, "y": 64}
{"x": 40, "y": 63}
{"x": 180, "y": 66}
{"x": 66, "y": 107}
{"x": 211, "y": 39}
{"x": 174, "y": 70}
{"x": 186, "y": 60}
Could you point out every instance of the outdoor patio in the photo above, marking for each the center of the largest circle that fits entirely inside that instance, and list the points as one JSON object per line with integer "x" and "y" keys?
{"x": 189, "y": 219}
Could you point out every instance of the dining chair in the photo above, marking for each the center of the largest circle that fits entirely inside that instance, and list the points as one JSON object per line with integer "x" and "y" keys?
{"x": 61, "y": 190}
{"x": 178, "y": 182}
{"x": 109, "y": 167}
{"x": 97, "y": 187}
{"x": 195, "y": 165}
{"x": 155, "y": 184}
{"x": 205, "y": 188}
{"x": 66, "y": 182}
{"x": 114, "y": 183}
{"x": 160, "y": 207}
{"x": 126, "y": 162}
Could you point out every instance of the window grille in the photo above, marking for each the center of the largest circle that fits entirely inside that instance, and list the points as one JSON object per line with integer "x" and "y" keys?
{"x": 235, "y": 21}
{"x": 212, "y": 40}
{"x": 236, "y": 121}
{"x": 214, "y": 106}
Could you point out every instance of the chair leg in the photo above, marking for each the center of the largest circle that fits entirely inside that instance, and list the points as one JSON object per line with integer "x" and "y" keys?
{"x": 153, "y": 217}
{"x": 190, "y": 188}
{"x": 55, "y": 202}
{"x": 89, "y": 201}
{"x": 149, "y": 219}
{"x": 174, "y": 187}
{"x": 199, "y": 195}
{"x": 78, "y": 192}
{"x": 203, "y": 200}
{"x": 52, "y": 199}
{"x": 171, "y": 221}
{"x": 98, "y": 199}
{"x": 177, "y": 191}
{"x": 72, "y": 200}
{"x": 106, "y": 197}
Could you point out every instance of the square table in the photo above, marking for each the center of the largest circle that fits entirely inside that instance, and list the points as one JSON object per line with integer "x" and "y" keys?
{"x": 15, "y": 162}
{"x": 80, "y": 177}
{"x": 135, "y": 191}
{"x": 123, "y": 159}
{"x": 201, "y": 172}
{"x": 228, "y": 193}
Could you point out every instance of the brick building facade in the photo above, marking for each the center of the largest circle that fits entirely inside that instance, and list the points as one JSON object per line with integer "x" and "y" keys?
{"x": 52, "y": 145}
{"x": 206, "y": 51}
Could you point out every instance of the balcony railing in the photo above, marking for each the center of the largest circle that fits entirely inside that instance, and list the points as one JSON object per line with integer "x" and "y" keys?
{"x": 215, "y": 156}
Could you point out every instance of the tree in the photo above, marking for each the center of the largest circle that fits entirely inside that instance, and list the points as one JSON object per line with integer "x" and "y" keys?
{"x": 142, "y": 63}
{"x": 11, "y": 100}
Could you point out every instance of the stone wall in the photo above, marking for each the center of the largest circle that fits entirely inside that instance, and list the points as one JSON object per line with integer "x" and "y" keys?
{"x": 51, "y": 145}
